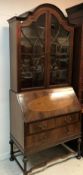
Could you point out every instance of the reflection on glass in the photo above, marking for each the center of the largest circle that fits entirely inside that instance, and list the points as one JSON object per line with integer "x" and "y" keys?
{"x": 59, "y": 53}
{"x": 33, "y": 53}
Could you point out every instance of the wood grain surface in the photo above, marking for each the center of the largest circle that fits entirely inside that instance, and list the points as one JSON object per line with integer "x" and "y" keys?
{"x": 46, "y": 103}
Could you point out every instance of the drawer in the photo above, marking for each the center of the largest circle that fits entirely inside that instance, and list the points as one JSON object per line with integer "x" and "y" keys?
{"x": 44, "y": 125}
{"x": 47, "y": 139}
{"x": 38, "y": 126}
{"x": 69, "y": 119}
{"x": 63, "y": 120}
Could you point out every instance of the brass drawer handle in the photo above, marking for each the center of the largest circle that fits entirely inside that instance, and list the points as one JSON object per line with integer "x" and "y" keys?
{"x": 42, "y": 138}
{"x": 68, "y": 119}
{"x": 42, "y": 127}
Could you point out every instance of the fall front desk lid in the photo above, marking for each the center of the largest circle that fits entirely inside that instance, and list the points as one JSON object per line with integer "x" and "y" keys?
{"x": 47, "y": 103}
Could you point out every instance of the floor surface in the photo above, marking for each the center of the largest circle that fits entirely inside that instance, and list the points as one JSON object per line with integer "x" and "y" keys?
{"x": 72, "y": 166}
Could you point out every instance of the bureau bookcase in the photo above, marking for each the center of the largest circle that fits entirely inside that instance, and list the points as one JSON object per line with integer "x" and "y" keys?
{"x": 44, "y": 110}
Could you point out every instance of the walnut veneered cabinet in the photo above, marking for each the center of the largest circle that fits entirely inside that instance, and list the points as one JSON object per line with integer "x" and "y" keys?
{"x": 75, "y": 16}
{"x": 44, "y": 110}
{"x": 41, "y": 47}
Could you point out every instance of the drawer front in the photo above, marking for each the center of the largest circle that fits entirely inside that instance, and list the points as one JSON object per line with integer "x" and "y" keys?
{"x": 40, "y": 126}
{"x": 40, "y": 141}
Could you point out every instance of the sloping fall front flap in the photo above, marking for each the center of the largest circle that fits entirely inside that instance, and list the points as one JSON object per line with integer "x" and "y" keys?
{"x": 47, "y": 103}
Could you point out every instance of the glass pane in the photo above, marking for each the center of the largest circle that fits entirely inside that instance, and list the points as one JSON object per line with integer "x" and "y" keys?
{"x": 59, "y": 68}
{"x": 33, "y": 54}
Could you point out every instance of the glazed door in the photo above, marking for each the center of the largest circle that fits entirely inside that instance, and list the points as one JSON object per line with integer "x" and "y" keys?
{"x": 32, "y": 64}
{"x": 60, "y": 53}
{"x": 46, "y": 47}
